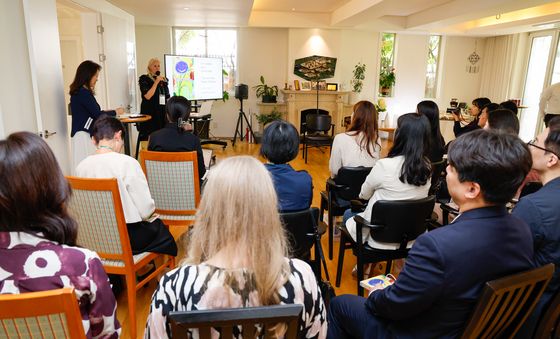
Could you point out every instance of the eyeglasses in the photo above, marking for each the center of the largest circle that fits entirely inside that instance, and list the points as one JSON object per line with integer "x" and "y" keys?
{"x": 533, "y": 143}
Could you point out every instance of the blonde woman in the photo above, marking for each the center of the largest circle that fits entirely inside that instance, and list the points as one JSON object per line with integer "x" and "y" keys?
{"x": 237, "y": 255}
{"x": 154, "y": 90}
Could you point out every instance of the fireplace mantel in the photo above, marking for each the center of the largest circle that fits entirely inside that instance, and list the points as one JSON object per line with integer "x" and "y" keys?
{"x": 332, "y": 101}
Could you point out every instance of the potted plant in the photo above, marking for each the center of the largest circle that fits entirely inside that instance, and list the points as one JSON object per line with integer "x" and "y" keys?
{"x": 264, "y": 119}
{"x": 268, "y": 93}
{"x": 386, "y": 80}
{"x": 359, "y": 74}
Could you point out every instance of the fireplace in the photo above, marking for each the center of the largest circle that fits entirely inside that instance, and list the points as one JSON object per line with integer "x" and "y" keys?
{"x": 304, "y": 114}
{"x": 330, "y": 102}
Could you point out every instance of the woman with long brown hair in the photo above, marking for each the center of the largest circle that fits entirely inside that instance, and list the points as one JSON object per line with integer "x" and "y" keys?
{"x": 85, "y": 110}
{"x": 38, "y": 236}
{"x": 237, "y": 255}
{"x": 360, "y": 145}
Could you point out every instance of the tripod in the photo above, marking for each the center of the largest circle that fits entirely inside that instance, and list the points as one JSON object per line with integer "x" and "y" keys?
{"x": 239, "y": 125}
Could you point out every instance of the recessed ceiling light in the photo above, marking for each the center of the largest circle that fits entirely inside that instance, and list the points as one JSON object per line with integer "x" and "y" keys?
{"x": 293, "y": 8}
{"x": 186, "y": 8}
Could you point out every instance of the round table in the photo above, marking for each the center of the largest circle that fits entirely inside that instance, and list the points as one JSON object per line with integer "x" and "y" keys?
{"x": 128, "y": 119}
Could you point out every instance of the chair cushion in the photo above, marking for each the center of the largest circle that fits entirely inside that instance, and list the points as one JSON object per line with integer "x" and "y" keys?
{"x": 119, "y": 263}
{"x": 176, "y": 217}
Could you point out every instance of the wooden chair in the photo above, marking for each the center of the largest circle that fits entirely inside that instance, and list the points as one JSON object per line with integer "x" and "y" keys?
{"x": 389, "y": 224}
{"x": 317, "y": 127}
{"x": 548, "y": 326}
{"x": 505, "y": 303}
{"x": 96, "y": 205}
{"x": 227, "y": 321}
{"x": 174, "y": 184}
{"x": 346, "y": 186}
{"x": 47, "y": 314}
{"x": 304, "y": 232}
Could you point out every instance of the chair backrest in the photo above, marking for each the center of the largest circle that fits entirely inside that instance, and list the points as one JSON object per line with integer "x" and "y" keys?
{"x": 438, "y": 175}
{"x": 96, "y": 205}
{"x": 404, "y": 220}
{"x": 549, "y": 323}
{"x": 505, "y": 303}
{"x": 352, "y": 179}
{"x": 228, "y": 320}
{"x": 300, "y": 227}
{"x": 318, "y": 122}
{"x": 47, "y": 314}
{"x": 173, "y": 180}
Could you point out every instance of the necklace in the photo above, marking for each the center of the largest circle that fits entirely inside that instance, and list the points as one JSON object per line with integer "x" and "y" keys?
{"x": 105, "y": 147}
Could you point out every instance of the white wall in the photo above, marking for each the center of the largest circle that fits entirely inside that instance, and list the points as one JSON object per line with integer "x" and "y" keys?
{"x": 16, "y": 92}
{"x": 271, "y": 52}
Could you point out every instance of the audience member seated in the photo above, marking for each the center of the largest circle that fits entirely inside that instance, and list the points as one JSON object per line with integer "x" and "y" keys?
{"x": 146, "y": 235}
{"x": 541, "y": 210}
{"x": 360, "y": 145}
{"x": 430, "y": 109}
{"x": 475, "y": 110}
{"x": 483, "y": 116}
{"x": 174, "y": 137}
{"x": 38, "y": 236}
{"x": 237, "y": 255}
{"x": 403, "y": 175}
{"x": 447, "y": 268}
{"x": 280, "y": 144}
{"x": 511, "y": 105}
{"x": 503, "y": 120}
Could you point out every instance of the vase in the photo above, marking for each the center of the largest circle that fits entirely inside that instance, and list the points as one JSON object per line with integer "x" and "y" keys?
{"x": 385, "y": 91}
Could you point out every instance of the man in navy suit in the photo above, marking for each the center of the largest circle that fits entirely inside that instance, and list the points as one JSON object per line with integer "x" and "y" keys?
{"x": 541, "y": 211}
{"x": 447, "y": 268}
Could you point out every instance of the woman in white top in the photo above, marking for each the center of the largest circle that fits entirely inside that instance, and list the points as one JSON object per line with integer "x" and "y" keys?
{"x": 138, "y": 205}
{"x": 360, "y": 145}
{"x": 403, "y": 175}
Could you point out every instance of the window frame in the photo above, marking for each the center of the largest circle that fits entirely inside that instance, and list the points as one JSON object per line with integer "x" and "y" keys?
{"x": 438, "y": 67}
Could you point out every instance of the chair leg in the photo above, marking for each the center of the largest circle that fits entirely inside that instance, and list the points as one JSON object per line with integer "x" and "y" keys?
{"x": 360, "y": 269}
{"x": 330, "y": 224}
{"x": 341, "y": 250}
{"x": 388, "y": 266}
{"x": 131, "y": 295}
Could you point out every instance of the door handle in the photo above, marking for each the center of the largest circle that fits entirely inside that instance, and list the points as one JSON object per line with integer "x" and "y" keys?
{"x": 46, "y": 134}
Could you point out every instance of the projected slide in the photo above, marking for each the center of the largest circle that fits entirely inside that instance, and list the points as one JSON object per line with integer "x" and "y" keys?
{"x": 195, "y": 78}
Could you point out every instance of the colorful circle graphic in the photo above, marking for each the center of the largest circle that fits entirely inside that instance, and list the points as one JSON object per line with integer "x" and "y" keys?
{"x": 181, "y": 67}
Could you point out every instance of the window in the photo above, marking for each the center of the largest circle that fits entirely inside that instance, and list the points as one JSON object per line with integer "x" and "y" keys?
{"x": 434, "y": 44}
{"x": 219, "y": 43}
{"x": 387, "y": 71}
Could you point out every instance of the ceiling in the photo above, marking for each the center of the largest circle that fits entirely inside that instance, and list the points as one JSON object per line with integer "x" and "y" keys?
{"x": 456, "y": 17}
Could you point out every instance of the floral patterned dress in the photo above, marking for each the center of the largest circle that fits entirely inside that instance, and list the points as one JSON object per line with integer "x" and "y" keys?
{"x": 199, "y": 287}
{"x": 30, "y": 263}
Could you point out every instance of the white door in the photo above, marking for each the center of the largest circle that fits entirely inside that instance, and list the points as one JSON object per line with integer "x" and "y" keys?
{"x": 45, "y": 65}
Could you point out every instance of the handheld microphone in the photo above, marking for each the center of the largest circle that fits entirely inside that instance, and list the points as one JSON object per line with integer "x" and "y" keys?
{"x": 162, "y": 83}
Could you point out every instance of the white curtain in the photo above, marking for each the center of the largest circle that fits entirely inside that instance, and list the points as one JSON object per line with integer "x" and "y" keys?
{"x": 498, "y": 63}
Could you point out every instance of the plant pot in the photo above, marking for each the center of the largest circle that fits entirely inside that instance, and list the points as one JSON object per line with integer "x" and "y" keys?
{"x": 385, "y": 91}
{"x": 269, "y": 99}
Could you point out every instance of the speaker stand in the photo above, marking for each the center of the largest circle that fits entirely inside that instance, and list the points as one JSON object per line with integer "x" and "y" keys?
{"x": 239, "y": 125}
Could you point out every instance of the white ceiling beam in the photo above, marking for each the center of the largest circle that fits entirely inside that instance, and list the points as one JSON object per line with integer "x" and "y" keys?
{"x": 460, "y": 11}
{"x": 289, "y": 19}
{"x": 348, "y": 13}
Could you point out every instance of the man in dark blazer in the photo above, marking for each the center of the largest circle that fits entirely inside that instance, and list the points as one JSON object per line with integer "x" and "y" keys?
{"x": 541, "y": 211}
{"x": 447, "y": 268}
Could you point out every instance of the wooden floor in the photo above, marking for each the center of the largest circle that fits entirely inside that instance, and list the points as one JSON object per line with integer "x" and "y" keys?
{"x": 318, "y": 168}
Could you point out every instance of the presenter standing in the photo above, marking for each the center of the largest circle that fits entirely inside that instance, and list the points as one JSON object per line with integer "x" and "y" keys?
{"x": 85, "y": 110}
{"x": 155, "y": 93}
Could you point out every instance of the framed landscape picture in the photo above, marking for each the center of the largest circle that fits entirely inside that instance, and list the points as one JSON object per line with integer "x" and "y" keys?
{"x": 305, "y": 86}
